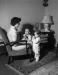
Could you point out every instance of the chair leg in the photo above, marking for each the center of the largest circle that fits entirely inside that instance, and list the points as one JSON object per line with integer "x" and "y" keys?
{"x": 10, "y": 59}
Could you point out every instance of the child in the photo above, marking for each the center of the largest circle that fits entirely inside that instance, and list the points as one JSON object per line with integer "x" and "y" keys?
{"x": 27, "y": 35}
{"x": 36, "y": 47}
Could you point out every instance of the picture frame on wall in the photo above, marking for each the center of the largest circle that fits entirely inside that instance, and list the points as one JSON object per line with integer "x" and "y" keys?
{"x": 37, "y": 26}
{"x": 41, "y": 26}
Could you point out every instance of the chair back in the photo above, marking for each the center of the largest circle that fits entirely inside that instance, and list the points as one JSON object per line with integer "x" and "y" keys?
{"x": 3, "y": 33}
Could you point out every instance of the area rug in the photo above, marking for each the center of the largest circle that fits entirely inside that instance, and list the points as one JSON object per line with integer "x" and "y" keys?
{"x": 25, "y": 67}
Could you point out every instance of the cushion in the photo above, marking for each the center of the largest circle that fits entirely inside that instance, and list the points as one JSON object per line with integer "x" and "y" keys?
{"x": 17, "y": 48}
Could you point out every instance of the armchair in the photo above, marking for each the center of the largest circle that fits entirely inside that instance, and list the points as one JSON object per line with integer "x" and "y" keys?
{"x": 11, "y": 53}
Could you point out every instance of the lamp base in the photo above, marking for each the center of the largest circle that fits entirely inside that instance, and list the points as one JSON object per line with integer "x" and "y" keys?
{"x": 45, "y": 4}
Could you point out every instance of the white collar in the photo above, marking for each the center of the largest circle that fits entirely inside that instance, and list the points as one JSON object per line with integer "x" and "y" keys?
{"x": 12, "y": 27}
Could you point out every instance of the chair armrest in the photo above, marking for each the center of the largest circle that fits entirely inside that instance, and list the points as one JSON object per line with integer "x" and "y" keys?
{"x": 21, "y": 42}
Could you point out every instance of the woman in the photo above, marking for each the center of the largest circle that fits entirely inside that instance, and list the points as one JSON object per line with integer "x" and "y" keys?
{"x": 12, "y": 33}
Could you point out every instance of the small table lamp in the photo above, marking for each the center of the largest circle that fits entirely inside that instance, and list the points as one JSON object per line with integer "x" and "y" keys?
{"x": 47, "y": 22}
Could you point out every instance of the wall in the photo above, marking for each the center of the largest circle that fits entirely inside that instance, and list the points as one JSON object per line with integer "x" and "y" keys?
{"x": 29, "y": 10}
{"x": 52, "y": 10}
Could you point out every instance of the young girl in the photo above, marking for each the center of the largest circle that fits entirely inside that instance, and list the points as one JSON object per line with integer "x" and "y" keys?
{"x": 27, "y": 35}
{"x": 36, "y": 47}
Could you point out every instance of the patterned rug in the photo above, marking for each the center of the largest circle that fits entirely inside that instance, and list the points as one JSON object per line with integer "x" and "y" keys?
{"x": 26, "y": 67}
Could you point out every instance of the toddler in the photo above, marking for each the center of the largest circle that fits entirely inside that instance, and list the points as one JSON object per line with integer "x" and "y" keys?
{"x": 35, "y": 44}
{"x": 27, "y": 36}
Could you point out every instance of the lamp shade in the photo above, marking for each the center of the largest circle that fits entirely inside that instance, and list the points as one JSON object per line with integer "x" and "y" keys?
{"x": 48, "y": 20}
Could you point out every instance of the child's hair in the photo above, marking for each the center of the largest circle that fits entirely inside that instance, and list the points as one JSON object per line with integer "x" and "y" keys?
{"x": 38, "y": 32}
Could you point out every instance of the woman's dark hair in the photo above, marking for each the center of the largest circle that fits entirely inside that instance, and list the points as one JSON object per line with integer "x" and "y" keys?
{"x": 15, "y": 20}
